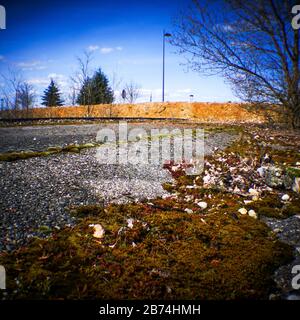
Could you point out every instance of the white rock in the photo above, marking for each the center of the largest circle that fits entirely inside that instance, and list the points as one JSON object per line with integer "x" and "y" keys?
{"x": 252, "y": 214}
{"x": 187, "y": 210}
{"x": 261, "y": 171}
{"x": 297, "y": 163}
{"x": 130, "y": 223}
{"x": 253, "y": 192}
{"x": 243, "y": 211}
{"x": 248, "y": 201}
{"x": 202, "y": 204}
{"x": 285, "y": 197}
{"x": 98, "y": 230}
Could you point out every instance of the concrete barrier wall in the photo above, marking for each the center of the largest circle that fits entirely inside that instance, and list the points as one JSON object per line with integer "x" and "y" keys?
{"x": 207, "y": 112}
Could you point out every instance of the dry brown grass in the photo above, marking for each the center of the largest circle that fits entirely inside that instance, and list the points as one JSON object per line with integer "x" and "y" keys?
{"x": 206, "y": 112}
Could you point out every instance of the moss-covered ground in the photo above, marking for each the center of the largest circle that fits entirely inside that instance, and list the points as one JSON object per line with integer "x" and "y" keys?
{"x": 19, "y": 155}
{"x": 160, "y": 250}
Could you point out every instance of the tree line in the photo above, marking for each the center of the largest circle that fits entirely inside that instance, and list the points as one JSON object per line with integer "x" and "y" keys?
{"x": 88, "y": 87}
{"x": 94, "y": 90}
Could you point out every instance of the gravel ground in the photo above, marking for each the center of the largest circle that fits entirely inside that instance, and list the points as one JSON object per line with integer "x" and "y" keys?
{"x": 36, "y": 193}
{"x": 39, "y": 138}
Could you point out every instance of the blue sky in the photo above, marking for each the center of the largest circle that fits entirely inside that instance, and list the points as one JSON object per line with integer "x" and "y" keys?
{"x": 43, "y": 39}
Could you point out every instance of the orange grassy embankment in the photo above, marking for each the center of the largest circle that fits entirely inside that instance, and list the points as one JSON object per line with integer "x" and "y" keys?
{"x": 206, "y": 112}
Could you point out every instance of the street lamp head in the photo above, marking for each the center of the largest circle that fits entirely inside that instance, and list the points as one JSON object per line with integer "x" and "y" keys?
{"x": 167, "y": 34}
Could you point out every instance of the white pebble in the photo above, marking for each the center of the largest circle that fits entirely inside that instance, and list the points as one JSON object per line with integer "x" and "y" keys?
{"x": 202, "y": 205}
{"x": 98, "y": 230}
{"x": 243, "y": 211}
{"x": 130, "y": 223}
{"x": 187, "y": 210}
{"x": 252, "y": 214}
{"x": 285, "y": 197}
{"x": 261, "y": 171}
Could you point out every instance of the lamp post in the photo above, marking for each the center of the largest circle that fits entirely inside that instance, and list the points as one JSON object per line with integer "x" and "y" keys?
{"x": 165, "y": 34}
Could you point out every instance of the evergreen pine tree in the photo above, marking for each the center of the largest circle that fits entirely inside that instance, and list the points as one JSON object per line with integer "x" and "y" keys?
{"x": 96, "y": 90}
{"x": 52, "y": 96}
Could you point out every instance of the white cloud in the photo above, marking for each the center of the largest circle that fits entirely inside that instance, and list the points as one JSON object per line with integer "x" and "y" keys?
{"x": 31, "y": 65}
{"x": 39, "y": 81}
{"x": 93, "y": 48}
{"x": 56, "y": 76}
{"x": 61, "y": 80}
{"x": 106, "y": 50}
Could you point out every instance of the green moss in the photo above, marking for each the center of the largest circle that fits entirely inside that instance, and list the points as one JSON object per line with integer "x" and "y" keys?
{"x": 293, "y": 172}
{"x": 84, "y": 211}
{"x": 71, "y": 147}
{"x": 13, "y": 156}
{"x": 44, "y": 229}
{"x": 291, "y": 209}
{"x": 55, "y": 149}
{"x": 168, "y": 186}
{"x": 174, "y": 256}
{"x": 271, "y": 206}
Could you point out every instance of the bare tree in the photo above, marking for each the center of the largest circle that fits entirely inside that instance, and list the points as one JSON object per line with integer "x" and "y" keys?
{"x": 16, "y": 93}
{"x": 132, "y": 92}
{"x": 251, "y": 43}
{"x": 82, "y": 77}
{"x": 26, "y": 96}
{"x": 11, "y": 88}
